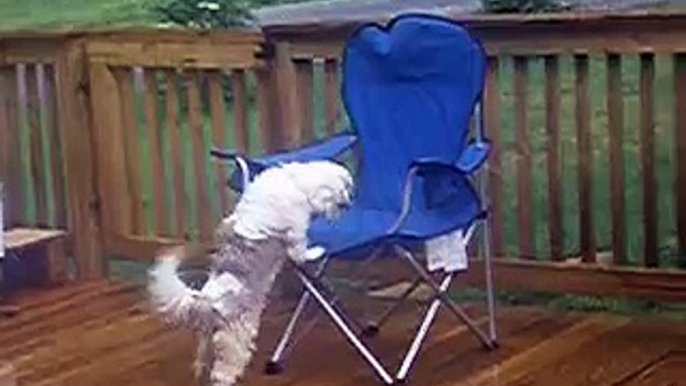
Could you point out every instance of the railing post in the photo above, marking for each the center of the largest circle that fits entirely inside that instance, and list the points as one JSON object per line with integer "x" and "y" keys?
{"x": 108, "y": 137}
{"x": 79, "y": 160}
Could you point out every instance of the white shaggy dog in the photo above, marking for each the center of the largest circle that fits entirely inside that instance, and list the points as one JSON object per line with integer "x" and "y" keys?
{"x": 269, "y": 224}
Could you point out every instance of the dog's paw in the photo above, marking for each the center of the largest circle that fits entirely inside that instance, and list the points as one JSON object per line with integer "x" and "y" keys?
{"x": 314, "y": 253}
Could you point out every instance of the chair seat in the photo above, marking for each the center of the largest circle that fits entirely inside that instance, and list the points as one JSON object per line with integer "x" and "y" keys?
{"x": 360, "y": 228}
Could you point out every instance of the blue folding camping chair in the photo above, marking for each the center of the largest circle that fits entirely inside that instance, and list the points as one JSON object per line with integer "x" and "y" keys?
{"x": 411, "y": 89}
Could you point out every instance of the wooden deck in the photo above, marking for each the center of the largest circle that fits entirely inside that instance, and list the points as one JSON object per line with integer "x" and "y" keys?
{"x": 101, "y": 334}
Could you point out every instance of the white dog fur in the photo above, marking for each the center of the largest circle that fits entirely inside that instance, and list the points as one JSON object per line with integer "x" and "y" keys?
{"x": 268, "y": 225}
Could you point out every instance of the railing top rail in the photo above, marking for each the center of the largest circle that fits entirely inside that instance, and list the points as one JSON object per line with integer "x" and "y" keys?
{"x": 136, "y": 46}
{"x": 153, "y": 34}
{"x": 333, "y": 29}
{"x": 541, "y": 34}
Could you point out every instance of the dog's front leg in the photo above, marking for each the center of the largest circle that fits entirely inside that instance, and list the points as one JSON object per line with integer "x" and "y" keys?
{"x": 297, "y": 248}
{"x": 298, "y": 252}
{"x": 204, "y": 360}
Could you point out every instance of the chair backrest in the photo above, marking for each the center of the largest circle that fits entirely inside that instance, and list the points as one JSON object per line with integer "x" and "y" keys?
{"x": 410, "y": 89}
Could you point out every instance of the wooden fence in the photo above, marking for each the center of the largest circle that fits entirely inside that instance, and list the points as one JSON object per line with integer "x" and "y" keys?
{"x": 586, "y": 114}
{"x": 107, "y": 134}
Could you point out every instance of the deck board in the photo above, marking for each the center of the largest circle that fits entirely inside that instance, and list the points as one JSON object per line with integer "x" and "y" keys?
{"x": 668, "y": 370}
{"x": 102, "y": 334}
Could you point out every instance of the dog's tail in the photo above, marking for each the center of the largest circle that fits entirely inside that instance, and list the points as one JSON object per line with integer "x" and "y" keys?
{"x": 173, "y": 299}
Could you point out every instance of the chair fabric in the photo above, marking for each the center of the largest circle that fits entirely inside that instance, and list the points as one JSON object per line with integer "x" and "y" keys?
{"x": 410, "y": 90}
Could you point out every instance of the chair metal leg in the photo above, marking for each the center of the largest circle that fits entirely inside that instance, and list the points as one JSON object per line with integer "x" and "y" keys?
{"x": 335, "y": 300}
{"x": 490, "y": 295}
{"x": 452, "y": 307}
{"x": 287, "y": 341}
{"x": 344, "y": 329}
{"x": 373, "y": 327}
{"x": 488, "y": 256}
{"x": 422, "y": 332}
{"x": 273, "y": 366}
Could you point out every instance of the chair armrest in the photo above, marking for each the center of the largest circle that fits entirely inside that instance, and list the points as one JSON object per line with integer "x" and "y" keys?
{"x": 327, "y": 149}
{"x": 441, "y": 172}
{"x": 246, "y": 168}
{"x": 473, "y": 156}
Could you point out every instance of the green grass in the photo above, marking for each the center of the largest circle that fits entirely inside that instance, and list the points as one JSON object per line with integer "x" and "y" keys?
{"x": 575, "y": 303}
{"x": 42, "y": 14}
{"x": 136, "y": 272}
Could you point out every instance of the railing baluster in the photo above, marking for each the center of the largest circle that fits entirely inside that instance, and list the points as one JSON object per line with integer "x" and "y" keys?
{"x": 36, "y": 159}
{"x": 304, "y": 79}
{"x": 217, "y": 113}
{"x": 583, "y": 126}
{"x": 492, "y": 126}
{"x": 615, "y": 111}
{"x": 680, "y": 136}
{"x": 5, "y": 141}
{"x": 133, "y": 156}
{"x": 552, "y": 123}
{"x": 113, "y": 178}
{"x": 153, "y": 131}
{"x": 14, "y": 189}
{"x": 9, "y": 161}
{"x": 647, "y": 138}
{"x": 56, "y": 159}
{"x": 331, "y": 94}
{"x": 524, "y": 161}
{"x": 240, "y": 111}
{"x": 174, "y": 133}
{"x": 270, "y": 136}
{"x": 204, "y": 213}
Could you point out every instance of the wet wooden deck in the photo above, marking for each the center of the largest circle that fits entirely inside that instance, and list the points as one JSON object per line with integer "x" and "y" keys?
{"x": 100, "y": 334}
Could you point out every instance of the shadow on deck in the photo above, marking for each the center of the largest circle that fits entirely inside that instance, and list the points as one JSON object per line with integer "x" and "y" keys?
{"x": 101, "y": 334}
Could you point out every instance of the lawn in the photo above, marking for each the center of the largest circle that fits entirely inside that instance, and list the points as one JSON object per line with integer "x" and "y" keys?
{"x": 42, "y": 14}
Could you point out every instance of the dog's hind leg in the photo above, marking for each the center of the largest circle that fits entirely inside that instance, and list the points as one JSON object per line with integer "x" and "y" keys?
{"x": 204, "y": 360}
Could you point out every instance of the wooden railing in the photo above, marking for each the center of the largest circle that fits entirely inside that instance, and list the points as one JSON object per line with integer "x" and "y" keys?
{"x": 588, "y": 177}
